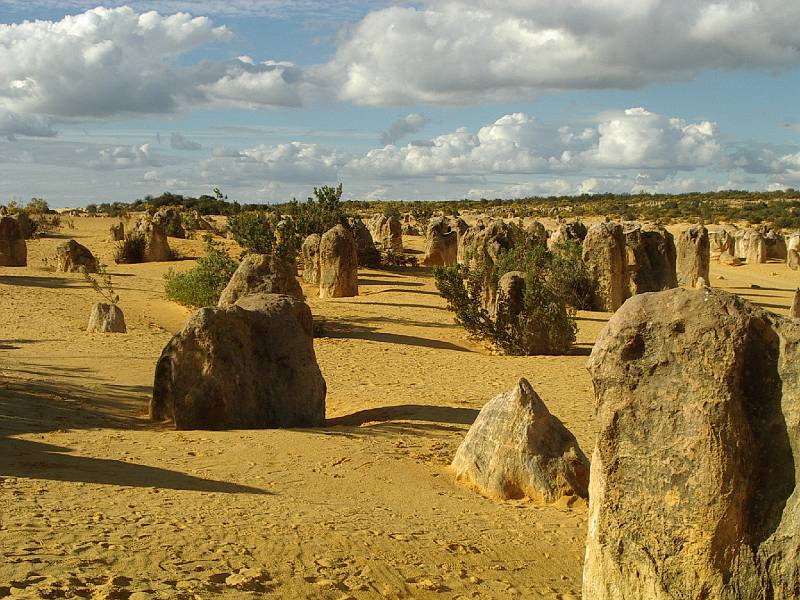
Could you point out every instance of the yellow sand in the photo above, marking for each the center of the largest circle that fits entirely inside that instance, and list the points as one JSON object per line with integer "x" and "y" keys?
{"x": 96, "y": 501}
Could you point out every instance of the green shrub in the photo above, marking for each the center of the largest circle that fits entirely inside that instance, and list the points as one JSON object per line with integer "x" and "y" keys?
{"x": 253, "y": 231}
{"x": 130, "y": 250}
{"x": 320, "y": 213}
{"x": 203, "y": 284}
{"x": 546, "y": 322}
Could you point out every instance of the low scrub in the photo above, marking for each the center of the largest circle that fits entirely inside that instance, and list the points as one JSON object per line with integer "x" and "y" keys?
{"x": 543, "y": 322}
{"x": 203, "y": 284}
{"x": 130, "y": 250}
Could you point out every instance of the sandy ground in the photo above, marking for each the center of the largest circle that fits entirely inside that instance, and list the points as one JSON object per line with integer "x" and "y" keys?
{"x": 97, "y": 502}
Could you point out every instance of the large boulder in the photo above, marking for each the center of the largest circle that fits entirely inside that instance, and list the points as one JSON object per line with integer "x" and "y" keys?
{"x": 170, "y": 221}
{"x": 517, "y": 449}
{"x": 368, "y": 255}
{"x": 116, "y": 233}
{"x": 538, "y": 231}
{"x": 13, "y": 249}
{"x": 156, "y": 246}
{"x": 694, "y": 478}
{"x": 651, "y": 258}
{"x": 310, "y": 252}
{"x": 693, "y": 255}
{"x": 441, "y": 243}
{"x": 511, "y": 293}
{"x": 338, "y": 259}
{"x": 387, "y": 232}
{"x": 750, "y": 245}
{"x": 250, "y": 365}
{"x": 106, "y": 318}
{"x": 605, "y": 258}
{"x": 71, "y": 256}
{"x": 776, "y": 245}
{"x": 721, "y": 241}
{"x": 574, "y": 230}
{"x": 26, "y": 226}
{"x": 261, "y": 274}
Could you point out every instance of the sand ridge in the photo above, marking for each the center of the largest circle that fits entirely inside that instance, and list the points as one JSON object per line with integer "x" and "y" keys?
{"x": 95, "y": 501}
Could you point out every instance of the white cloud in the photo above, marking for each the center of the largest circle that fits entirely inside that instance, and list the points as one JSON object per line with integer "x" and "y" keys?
{"x": 400, "y": 128}
{"x": 462, "y": 51}
{"x": 637, "y": 138}
{"x": 519, "y": 143}
{"x": 123, "y": 157}
{"x": 180, "y": 142}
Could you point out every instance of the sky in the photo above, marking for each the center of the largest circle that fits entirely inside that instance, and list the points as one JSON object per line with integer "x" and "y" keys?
{"x": 403, "y": 101}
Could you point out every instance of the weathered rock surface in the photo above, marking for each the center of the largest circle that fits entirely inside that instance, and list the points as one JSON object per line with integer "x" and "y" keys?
{"x": 338, "y": 258}
{"x": 26, "y": 227}
{"x": 651, "y": 258}
{"x": 441, "y": 243}
{"x": 387, "y": 232}
{"x": 156, "y": 246}
{"x": 517, "y": 449}
{"x": 170, "y": 221}
{"x": 368, "y": 255}
{"x": 794, "y": 310}
{"x": 116, "y": 233}
{"x": 106, "y": 318}
{"x": 694, "y": 478}
{"x": 693, "y": 255}
{"x": 750, "y": 245}
{"x": 776, "y": 245}
{"x": 250, "y": 365}
{"x": 261, "y": 274}
{"x": 310, "y": 252}
{"x": 722, "y": 241}
{"x": 13, "y": 249}
{"x": 71, "y": 256}
{"x": 574, "y": 230}
{"x": 538, "y": 231}
{"x": 793, "y": 259}
{"x": 605, "y": 258}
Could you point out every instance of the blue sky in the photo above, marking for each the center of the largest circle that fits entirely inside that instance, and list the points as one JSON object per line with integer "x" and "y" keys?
{"x": 423, "y": 100}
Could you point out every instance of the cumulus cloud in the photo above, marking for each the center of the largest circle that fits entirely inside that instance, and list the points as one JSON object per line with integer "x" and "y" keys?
{"x": 467, "y": 51}
{"x": 13, "y": 124}
{"x": 180, "y": 142}
{"x": 519, "y": 143}
{"x": 400, "y": 128}
{"x": 123, "y": 157}
{"x": 110, "y": 62}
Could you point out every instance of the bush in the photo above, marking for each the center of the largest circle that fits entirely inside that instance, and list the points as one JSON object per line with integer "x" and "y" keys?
{"x": 253, "y": 231}
{"x": 130, "y": 250}
{"x": 546, "y": 322}
{"x": 318, "y": 214}
{"x": 203, "y": 284}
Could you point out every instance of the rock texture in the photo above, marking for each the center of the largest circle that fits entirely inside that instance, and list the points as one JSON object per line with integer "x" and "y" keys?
{"x": 156, "y": 246}
{"x": 338, "y": 260}
{"x": 169, "y": 219}
{"x": 517, "y": 449}
{"x": 116, "y": 233}
{"x": 693, "y": 256}
{"x": 694, "y": 478}
{"x": 441, "y": 243}
{"x": 574, "y": 230}
{"x": 538, "y": 231}
{"x": 71, "y": 256}
{"x": 26, "y": 227}
{"x": 651, "y": 258}
{"x": 750, "y": 246}
{"x": 511, "y": 290}
{"x": 605, "y": 258}
{"x": 13, "y": 249}
{"x": 721, "y": 241}
{"x": 261, "y": 274}
{"x": 250, "y": 365}
{"x": 368, "y": 255}
{"x": 776, "y": 245}
{"x": 794, "y": 309}
{"x": 106, "y": 318}
{"x": 793, "y": 259}
{"x": 310, "y": 252}
{"x": 387, "y": 233}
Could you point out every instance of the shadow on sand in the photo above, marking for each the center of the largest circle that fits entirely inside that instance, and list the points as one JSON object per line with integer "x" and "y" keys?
{"x": 351, "y": 329}
{"x": 37, "y": 407}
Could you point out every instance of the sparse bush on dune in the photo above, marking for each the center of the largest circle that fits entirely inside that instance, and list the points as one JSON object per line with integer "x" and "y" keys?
{"x": 538, "y": 318}
{"x": 130, "y": 250}
{"x": 253, "y": 231}
{"x": 203, "y": 284}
